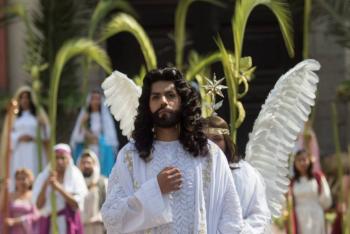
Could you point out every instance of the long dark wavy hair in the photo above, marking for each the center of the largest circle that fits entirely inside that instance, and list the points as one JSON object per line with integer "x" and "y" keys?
{"x": 230, "y": 151}
{"x": 309, "y": 172}
{"x": 192, "y": 136}
{"x": 32, "y": 108}
{"x": 89, "y": 109}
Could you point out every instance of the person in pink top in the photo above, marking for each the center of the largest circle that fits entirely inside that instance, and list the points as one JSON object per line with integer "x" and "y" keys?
{"x": 23, "y": 215}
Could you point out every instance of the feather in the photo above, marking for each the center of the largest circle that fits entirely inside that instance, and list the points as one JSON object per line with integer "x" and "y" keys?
{"x": 275, "y": 130}
{"x": 122, "y": 96}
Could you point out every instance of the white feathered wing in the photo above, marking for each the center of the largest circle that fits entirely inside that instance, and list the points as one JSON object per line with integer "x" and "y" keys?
{"x": 122, "y": 96}
{"x": 275, "y": 130}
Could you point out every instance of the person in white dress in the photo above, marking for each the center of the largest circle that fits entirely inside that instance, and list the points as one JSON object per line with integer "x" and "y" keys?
{"x": 311, "y": 196}
{"x": 169, "y": 178}
{"x": 95, "y": 130}
{"x": 29, "y": 120}
{"x": 249, "y": 183}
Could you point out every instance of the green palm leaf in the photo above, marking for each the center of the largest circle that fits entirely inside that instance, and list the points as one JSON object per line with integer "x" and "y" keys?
{"x": 306, "y": 27}
{"x": 180, "y": 27}
{"x": 69, "y": 50}
{"x": 125, "y": 23}
{"x": 201, "y": 63}
{"x": 280, "y": 10}
{"x": 231, "y": 82}
{"x": 105, "y": 7}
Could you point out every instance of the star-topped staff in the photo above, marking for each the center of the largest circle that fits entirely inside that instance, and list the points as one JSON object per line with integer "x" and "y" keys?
{"x": 213, "y": 88}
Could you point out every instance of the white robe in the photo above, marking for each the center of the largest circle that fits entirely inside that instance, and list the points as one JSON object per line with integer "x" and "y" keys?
{"x": 207, "y": 202}
{"x": 251, "y": 190}
{"x": 73, "y": 182}
{"x": 309, "y": 204}
{"x": 25, "y": 154}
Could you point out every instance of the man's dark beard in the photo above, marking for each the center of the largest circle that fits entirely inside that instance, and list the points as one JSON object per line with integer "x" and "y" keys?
{"x": 166, "y": 120}
{"x": 87, "y": 173}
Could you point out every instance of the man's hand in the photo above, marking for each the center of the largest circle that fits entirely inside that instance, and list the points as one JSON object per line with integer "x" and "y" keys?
{"x": 169, "y": 180}
{"x": 10, "y": 222}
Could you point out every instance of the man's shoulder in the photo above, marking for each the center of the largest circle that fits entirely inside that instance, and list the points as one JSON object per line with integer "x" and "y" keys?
{"x": 128, "y": 148}
{"x": 214, "y": 150}
{"x": 127, "y": 153}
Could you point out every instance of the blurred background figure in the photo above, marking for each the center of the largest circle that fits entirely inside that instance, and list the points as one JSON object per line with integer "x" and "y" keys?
{"x": 70, "y": 190}
{"x": 342, "y": 207}
{"x": 97, "y": 186}
{"x": 310, "y": 196}
{"x": 307, "y": 140}
{"x": 25, "y": 138}
{"x": 23, "y": 215}
{"x": 95, "y": 129}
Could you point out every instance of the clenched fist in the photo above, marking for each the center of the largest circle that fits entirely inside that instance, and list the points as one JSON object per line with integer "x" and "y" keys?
{"x": 169, "y": 180}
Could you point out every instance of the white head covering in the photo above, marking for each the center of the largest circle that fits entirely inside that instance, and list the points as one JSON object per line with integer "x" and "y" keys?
{"x": 96, "y": 167}
{"x": 108, "y": 126}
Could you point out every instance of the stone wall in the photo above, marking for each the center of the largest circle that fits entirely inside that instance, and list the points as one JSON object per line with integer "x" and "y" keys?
{"x": 335, "y": 61}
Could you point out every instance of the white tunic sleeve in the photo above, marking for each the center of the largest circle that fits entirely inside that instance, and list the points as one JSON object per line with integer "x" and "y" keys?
{"x": 224, "y": 200}
{"x": 251, "y": 190}
{"x": 231, "y": 217}
{"x": 126, "y": 211}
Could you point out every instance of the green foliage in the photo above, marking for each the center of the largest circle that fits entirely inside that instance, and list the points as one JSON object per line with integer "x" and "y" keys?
{"x": 237, "y": 76}
{"x": 105, "y": 7}
{"x": 125, "y": 23}
{"x": 56, "y": 22}
{"x": 68, "y": 51}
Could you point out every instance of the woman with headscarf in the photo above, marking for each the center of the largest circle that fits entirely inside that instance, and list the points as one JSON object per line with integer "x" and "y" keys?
{"x": 69, "y": 187}
{"x": 25, "y": 138}
{"x": 95, "y": 129}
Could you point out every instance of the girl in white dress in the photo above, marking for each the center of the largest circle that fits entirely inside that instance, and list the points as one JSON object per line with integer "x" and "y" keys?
{"x": 311, "y": 196}
{"x": 24, "y": 135}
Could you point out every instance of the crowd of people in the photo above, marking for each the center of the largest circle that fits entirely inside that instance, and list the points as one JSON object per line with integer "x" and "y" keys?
{"x": 168, "y": 179}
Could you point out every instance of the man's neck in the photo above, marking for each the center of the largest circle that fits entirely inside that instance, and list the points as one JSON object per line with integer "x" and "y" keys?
{"x": 167, "y": 134}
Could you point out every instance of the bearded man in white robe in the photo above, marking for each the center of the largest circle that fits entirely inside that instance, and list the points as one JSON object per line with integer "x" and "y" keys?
{"x": 96, "y": 183}
{"x": 170, "y": 178}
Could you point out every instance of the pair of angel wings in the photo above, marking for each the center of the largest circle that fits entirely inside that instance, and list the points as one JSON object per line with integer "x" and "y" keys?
{"x": 272, "y": 139}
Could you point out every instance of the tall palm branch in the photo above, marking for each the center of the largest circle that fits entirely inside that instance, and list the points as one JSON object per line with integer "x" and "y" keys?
{"x": 235, "y": 75}
{"x": 123, "y": 22}
{"x": 68, "y": 51}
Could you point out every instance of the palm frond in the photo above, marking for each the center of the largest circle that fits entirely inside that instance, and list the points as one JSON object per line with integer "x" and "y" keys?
{"x": 103, "y": 8}
{"x": 306, "y": 27}
{"x": 69, "y": 50}
{"x": 125, "y": 23}
{"x": 279, "y": 8}
{"x": 201, "y": 63}
{"x": 180, "y": 27}
{"x": 228, "y": 67}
